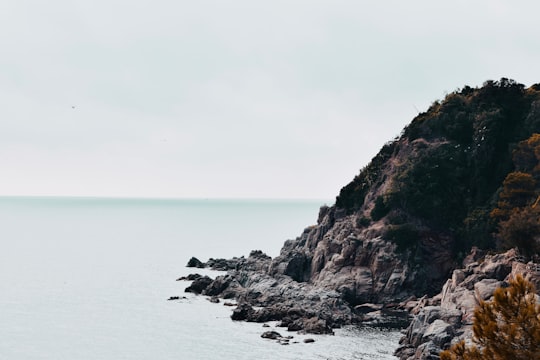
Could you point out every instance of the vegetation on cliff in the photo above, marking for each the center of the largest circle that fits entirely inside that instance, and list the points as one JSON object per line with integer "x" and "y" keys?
{"x": 508, "y": 327}
{"x": 468, "y": 168}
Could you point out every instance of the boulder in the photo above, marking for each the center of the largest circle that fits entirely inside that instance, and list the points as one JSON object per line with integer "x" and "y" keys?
{"x": 273, "y": 335}
{"x": 243, "y": 311}
{"x": 218, "y": 286}
{"x": 199, "y": 285}
{"x": 439, "y": 332}
{"x": 194, "y": 262}
{"x": 315, "y": 325}
{"x": 485, "y": 288}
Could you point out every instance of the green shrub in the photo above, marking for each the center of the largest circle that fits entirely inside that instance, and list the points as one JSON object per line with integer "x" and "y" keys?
{"x": 362, "y": 221}
{"x": 405, "y": 236}
{"x": 380, "y": 209}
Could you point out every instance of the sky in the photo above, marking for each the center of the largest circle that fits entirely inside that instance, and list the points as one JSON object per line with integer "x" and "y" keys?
{"x": 233, "y": 99}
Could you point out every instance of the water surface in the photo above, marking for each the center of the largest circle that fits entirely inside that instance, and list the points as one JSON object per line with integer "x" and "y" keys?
{"x": 87, "y": 278}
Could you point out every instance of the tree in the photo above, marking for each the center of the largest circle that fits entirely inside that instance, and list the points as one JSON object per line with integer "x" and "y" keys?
{"x": 518, "y": 191}
{"x": 526, "y": 156}
{"x": 507, "y": 327}
{"x": 517, "y": 211}
{"x": 522, "y": 229}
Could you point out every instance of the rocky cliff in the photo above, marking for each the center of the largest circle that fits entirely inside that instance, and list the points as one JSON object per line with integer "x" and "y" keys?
{"x": 399, "y": 230}
{"x": 354, "y": 254}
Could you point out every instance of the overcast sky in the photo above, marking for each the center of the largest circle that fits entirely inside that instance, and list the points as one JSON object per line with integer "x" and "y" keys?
{"x": 237, "y": 98}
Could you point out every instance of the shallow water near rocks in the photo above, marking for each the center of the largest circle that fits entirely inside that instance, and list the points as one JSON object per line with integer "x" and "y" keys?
{"x": 84, "y": 278}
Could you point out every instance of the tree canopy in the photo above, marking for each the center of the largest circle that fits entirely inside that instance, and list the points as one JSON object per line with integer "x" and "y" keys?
{"x": 467, "y": 145}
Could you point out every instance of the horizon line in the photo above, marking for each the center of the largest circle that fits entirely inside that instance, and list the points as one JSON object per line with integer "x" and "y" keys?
{"x": 173, "y": 198}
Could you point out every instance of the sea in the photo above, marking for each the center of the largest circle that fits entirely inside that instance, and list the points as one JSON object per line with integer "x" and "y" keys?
{"x": 90, "y": 278}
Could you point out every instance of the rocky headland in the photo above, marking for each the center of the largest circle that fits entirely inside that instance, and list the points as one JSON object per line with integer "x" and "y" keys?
{"x": 412, "y": 241}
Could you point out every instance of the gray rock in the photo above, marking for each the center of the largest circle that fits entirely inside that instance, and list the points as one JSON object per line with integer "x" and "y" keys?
{"x": 199, "y": 285}
{"x": 298, "y": 266}
{"x": 242, "y": 312}
{"x": 218, "y": 286}
{"x": 434, "y": 328}
{"x": 194, "y": 262}
{"x": 439, "y": 332}
{"x": 367, "y": 308}
{"x": 485, "y": 288}
{"x": 315, "y": 325}
{"x": 273, "y": 335}
{"x": 224, "y": 264}
{"x": 190, "y": 277}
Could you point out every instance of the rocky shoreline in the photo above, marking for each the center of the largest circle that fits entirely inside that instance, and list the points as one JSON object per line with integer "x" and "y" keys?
{"x": 338, "y": 272}
{"x": 297, "y": 306}
{"x": 262, "y": 298}
{"x": 430, "y": 324}
{"x": 334, "y": 274}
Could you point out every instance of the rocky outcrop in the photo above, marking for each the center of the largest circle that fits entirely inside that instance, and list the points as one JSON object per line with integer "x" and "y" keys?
{"x": 356, "y": 262}
{"x": 199, "y": 284}
{"x": 194, "y": 262}
{"x": 266, "y": 291}
{"x": 447, "y": 317}
{"x": 280, "y": 290}
{"x": 328, "y": 273}
{"x": 262, "y": 298}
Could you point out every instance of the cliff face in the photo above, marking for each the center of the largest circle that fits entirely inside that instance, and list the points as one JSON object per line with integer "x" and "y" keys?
{"x": 336, "y": 255}
{"x": 405, "y": 222}
{"x": 344, "y": 253}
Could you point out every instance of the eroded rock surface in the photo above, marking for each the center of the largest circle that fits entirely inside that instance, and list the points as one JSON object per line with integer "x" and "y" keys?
{"x": 319, "y": 281}
{"x": 448, "y": 317}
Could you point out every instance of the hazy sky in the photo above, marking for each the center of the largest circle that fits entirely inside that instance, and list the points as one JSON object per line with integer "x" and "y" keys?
{"x": 237, "y": 98}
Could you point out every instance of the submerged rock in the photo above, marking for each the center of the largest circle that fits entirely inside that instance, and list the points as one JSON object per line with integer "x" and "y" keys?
{"x": 190, "y": 277}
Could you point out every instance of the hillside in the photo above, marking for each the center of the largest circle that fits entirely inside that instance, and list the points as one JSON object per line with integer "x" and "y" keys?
{"x": 464, "y": 174}
{"x": 424, "y": 200}
{"x": 446, "y": 169}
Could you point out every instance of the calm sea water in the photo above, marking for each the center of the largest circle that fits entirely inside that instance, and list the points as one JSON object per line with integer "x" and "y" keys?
{"x": 84, "y": 278}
